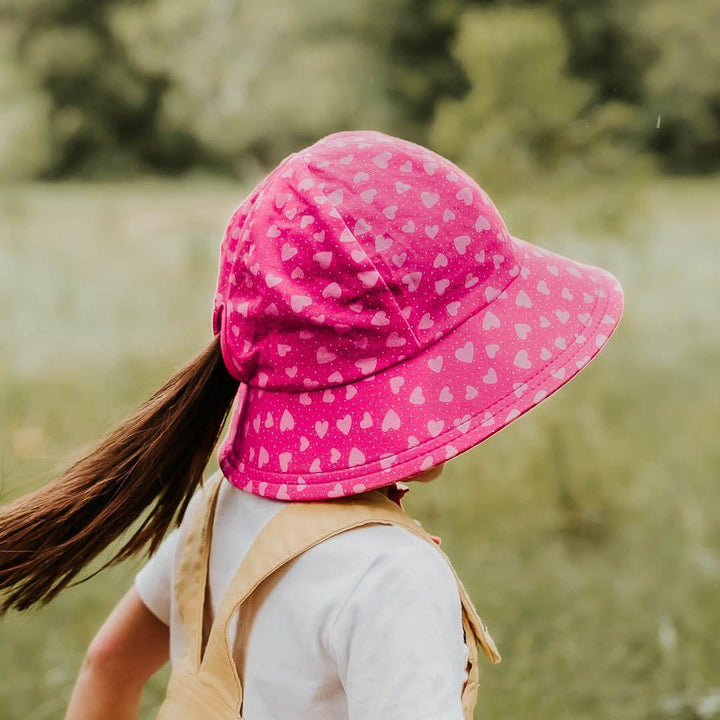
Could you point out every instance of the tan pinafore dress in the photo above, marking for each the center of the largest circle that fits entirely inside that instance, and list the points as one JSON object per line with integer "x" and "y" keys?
{"x": 205, "y": 685}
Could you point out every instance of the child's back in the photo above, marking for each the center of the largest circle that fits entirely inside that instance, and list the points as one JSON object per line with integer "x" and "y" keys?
{"x": 332, "y": 626}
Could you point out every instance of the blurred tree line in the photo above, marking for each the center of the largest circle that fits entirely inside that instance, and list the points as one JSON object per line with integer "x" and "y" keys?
{"x": 100, "y": 88}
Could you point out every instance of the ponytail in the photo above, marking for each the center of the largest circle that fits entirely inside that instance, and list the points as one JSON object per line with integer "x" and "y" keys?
{"x": 156, "y": 457}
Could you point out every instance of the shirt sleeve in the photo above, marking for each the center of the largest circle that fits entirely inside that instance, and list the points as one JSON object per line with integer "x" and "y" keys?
{"x": 153, "y": 582}
{"x": 398, "y": 639}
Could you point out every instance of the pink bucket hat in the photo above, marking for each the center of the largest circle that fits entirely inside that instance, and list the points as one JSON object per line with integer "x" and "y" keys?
{"x": 381, "y": 319}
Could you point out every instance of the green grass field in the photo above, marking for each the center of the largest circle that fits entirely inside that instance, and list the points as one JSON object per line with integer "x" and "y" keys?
{"x": 587, "y": 532}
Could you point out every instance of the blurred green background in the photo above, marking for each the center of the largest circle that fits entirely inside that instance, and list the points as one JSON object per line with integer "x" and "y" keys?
{"x": 587, "y": 532}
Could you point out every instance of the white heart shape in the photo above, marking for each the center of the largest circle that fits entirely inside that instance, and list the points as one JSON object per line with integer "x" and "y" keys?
{"x": 490, "y": 321}
{"x": 323, "y": 355}
{"x": 482, "y": 223}
{"x": 429, "y": 199}
{"x": 366, "y": 365}
{"x": 335, "y": 197}
{"x": 298, "y": 302}
{"x": 396, "y": 383}
{"x": 466, "y": 352}
{"x": 521, "y": 359}
{"x": 391, "y": 421}
{"x": 344, "y": 424}
{"x": 368, "y": 277}
{"x": 380, "y": 318}
{"x": 356, "y": 457}
{"x": 436, "y": 363}
{"x": 465, "y": 194}
{"x": 441, "y": 286}
{"x": 382, "y": 243}
{"x": 323, "y": 259}
{"x": 332, "y": 290}
{"x": 382, "y": 159}
{"x": 361, "y": 226}
{"x": 425, "y": 322}
{"x": 337, "y": 491}
{"x": 461, "y": 243}
{"x": 412, "y": 280}
{"x": 263, "y": 457}
{"x": 288, "y": 251}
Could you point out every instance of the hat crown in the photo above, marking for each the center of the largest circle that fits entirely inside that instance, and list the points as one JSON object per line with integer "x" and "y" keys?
{"x": 352, "y": 255}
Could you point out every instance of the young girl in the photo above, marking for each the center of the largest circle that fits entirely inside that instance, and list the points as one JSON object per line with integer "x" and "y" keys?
{"x": 373, "y": 319}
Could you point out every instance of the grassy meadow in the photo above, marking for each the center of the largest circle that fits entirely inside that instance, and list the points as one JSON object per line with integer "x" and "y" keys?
{"x": 587, "y": 532}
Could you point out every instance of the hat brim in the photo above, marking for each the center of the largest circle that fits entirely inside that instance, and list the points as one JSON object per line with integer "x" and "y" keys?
{"x": 530, "y": 340}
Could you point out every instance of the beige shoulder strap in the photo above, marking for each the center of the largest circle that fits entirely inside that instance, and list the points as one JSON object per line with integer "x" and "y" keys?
{"x": 290, "y": 532}
{"x": 192, "y": 569}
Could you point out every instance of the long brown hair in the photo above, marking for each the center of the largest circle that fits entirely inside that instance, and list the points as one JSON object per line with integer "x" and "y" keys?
{"x": 155, "y": 457}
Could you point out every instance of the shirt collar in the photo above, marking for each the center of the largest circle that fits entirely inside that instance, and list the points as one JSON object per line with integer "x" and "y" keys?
{"x": 395, "y": 492}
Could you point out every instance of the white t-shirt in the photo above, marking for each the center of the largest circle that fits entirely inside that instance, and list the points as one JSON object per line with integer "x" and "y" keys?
{"x": 366, "y": 625}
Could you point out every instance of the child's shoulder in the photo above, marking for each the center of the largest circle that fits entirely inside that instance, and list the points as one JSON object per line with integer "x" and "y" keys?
{"x": 384, "y": 584}
{"x": 389, "y": 553}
